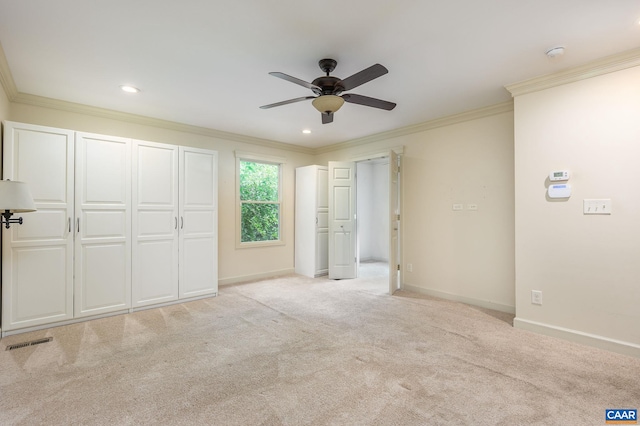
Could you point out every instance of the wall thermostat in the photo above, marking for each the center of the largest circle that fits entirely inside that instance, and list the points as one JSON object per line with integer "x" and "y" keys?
{"x": 559, "y": 190}
{"x": 559, "y": 175}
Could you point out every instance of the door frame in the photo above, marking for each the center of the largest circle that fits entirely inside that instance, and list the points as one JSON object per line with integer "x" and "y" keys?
{"x": 384, "y": 153}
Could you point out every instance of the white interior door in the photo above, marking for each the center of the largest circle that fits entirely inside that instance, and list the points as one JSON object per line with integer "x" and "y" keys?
{"x": 103, "y": 224}
{"x": 154, "y": 223}
{"x": 394, "y": 222}
{"x": 342, "y": 220}
{"x": 198, "y": 222}
{"x": 37, "y": 259}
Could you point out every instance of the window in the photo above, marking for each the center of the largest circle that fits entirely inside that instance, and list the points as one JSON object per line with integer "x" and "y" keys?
{"x": 259, "y": 199}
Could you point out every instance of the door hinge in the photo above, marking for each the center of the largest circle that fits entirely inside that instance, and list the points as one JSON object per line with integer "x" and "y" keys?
{"x": 398, "y": 217}
{"x": 398, "y": 267}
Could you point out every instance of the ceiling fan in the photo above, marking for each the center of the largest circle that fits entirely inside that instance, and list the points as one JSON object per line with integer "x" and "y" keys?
{"x": 328, "y": 89}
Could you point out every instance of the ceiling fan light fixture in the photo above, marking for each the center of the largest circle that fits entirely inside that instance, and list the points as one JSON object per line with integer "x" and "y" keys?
{"x": 328, "y": 103}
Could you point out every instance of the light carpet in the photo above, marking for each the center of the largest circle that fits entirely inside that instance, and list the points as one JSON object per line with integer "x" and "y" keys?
{"x": 302, "y": 351}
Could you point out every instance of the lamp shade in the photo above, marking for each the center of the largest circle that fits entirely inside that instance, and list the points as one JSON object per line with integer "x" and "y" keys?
{"x": 328, "y": 103}
{"x": 15, "y": 197}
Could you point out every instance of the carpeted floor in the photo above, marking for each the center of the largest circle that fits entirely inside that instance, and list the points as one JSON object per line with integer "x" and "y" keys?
{"x": 302, "y": 351}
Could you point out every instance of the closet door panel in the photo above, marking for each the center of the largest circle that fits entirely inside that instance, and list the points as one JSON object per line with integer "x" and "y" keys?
{"x": 198, "y": 270}
{"x": 103, "y": 225}
{"x": 39, "y": 291}
{"x": 155, "y": 223}
{"x": 198, "y": 222}
{"x": 37, "y": 260}
{"x": 104, "y": 278}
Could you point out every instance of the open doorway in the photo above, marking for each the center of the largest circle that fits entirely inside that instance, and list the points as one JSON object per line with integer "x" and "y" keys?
{"x": 372, "y": 207}
{"x": 346, "y": 247}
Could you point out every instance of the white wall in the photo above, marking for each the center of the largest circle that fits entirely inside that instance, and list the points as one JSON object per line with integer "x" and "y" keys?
{"x": 234, "y": 264}
{"x": 380, "y": 210}
{"x": 373, "y": 210}
{"x": 364, "y": 206}
{"x": 586, "y": 266}
{"x": 461, "y": 255}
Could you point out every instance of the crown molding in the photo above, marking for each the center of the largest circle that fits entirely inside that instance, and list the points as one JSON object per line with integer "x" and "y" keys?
{"x": 449, "y": 120}
{"x": 609, "y": 64}
{"x": 6, "y": 79}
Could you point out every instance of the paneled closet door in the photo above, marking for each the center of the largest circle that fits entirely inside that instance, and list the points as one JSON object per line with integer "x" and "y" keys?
{"x": 103, "y": 225}
{"x": 198, "y": 222}
{"x": 155, "y": 223}
{"x": 37, "y": 260}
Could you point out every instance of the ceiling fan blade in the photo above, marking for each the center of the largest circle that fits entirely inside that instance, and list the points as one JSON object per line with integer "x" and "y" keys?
{"x": 295, "y": 80}
{"x": 364, "y": 76}
{"x": 290, "y": 101}
{"x": 327, "y": 118}
{"x": 367, "y": 101}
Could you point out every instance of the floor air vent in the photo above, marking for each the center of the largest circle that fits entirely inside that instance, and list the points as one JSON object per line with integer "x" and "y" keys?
{"x": 31, "y": 343}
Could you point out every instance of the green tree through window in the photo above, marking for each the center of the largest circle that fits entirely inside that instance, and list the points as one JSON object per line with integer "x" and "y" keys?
{"x": 259, "y": 201}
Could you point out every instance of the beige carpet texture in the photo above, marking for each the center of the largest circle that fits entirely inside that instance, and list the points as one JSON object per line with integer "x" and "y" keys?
{"x": 302, "y": 351}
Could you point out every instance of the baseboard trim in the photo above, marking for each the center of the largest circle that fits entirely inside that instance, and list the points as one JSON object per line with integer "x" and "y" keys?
{"x": 463, "y": 299}
{"x": 601, "y": 342}
{"x": 172, "y": 302}
{"x": 61, "y": 323}
{"x": 255, "y": 277}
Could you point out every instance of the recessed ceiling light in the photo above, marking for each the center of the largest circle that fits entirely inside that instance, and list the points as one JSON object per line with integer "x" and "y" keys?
{"x": 306, "y": 131}
{"x": 129, "y": 89}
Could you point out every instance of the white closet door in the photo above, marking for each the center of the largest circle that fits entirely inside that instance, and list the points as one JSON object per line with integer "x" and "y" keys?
{"x": 198, "y": 222}
{"x": 155, "y": 223}
{"x": 103, "y": 225}
{"x": 37, "y": 260}
{"x": 342, "y": 220}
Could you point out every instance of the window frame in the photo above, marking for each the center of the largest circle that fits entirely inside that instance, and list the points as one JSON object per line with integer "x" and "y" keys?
{"x": 266, "y": 159}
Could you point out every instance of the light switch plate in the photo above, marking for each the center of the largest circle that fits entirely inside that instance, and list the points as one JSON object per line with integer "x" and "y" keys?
{"x": 596, "y": 206}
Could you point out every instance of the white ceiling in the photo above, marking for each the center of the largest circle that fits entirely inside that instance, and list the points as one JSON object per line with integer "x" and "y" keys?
{"x": 206, "y": 62}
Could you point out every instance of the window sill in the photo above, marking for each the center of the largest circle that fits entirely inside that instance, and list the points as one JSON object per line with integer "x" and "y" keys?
{"x": 257, "y": 244}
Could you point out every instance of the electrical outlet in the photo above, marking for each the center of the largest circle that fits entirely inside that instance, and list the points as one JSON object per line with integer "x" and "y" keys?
{"x": 472, "y": 207}
{"x": 409, "y": 267}
{"x": 536, "y": 297}
{"x": 457, "y": 207}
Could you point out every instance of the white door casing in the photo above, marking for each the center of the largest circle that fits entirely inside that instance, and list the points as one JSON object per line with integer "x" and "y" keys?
{"x": 322, "y": 223}
{"x": 197, "y": 223}
{"x": 37, "y": 261}
{"x": 154, "y": 223}
{"x": 394, "y": 222}
{"x": 342, "y": 220}
{"x": 103, "y": 225}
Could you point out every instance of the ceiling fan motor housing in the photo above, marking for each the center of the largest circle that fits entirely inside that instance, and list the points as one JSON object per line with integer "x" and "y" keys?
{"x": 329, "y": 85}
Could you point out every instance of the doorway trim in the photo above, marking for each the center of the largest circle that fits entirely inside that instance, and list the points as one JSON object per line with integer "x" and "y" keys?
{"x": 384, "y": 153}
